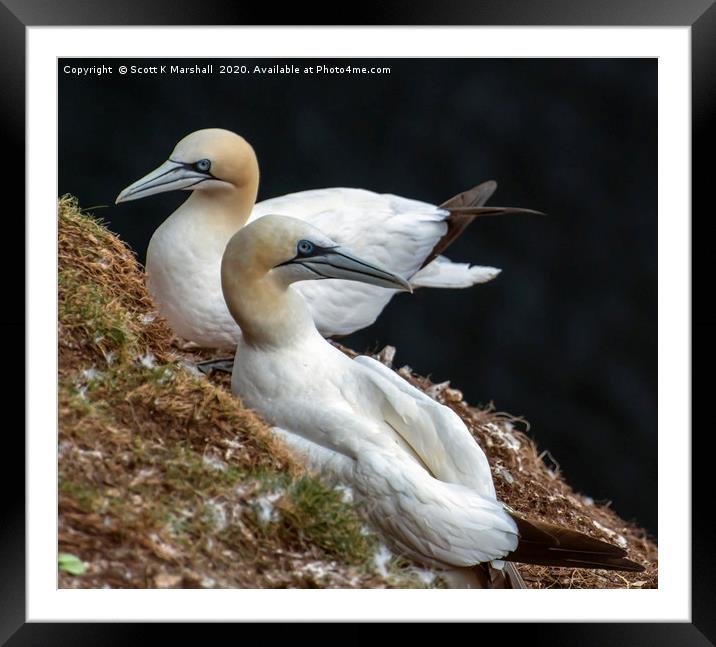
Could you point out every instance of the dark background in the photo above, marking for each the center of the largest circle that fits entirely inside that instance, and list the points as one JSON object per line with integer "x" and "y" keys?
{"x": 566, "y": 335}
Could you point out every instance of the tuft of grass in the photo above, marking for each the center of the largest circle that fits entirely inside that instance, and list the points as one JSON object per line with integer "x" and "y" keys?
{"x": 316, "y": 514}
{"x": 84, "y": 495}
{"x": 85, "y": 306}
{"x": 101, "y": 293}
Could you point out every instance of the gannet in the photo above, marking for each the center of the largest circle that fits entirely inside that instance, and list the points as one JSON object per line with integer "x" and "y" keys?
{"x": 220, "y": 168}
{"x": 426, "y": 482}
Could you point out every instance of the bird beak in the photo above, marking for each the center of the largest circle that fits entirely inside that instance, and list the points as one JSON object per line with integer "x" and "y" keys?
{"x": 170, "y": 176}
{"x": 337, "y": 263}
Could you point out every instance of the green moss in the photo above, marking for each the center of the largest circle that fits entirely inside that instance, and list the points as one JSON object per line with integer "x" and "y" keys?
{"x": 318, "y": 515}
{"x": 186, "y": 471}
{"x": 87, "y": 307}
{"x": 77, "y": 400}
{"x": 84, "y": 494}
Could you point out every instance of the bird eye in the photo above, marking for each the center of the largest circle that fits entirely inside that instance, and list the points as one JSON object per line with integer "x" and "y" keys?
{"x": 202, "y": 165}
{"x": 305, "y": 247}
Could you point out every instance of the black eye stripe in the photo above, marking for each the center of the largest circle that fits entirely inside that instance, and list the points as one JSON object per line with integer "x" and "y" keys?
{"x": 201, "y": 179}
{"x": 337, "y": 267}
{"x": 193, "y": 166}
{"x": 316, "y": 250}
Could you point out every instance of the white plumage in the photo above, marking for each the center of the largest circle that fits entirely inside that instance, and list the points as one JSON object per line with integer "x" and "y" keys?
{"x": 185, "y": 252}
{"x": 396, "y": 233}
{"x": 425, "y": 481}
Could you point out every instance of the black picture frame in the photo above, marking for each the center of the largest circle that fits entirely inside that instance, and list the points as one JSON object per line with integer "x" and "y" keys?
{"x": 700, "y": 15}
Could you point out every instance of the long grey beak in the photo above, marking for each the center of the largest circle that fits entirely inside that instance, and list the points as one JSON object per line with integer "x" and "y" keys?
{"x": 338, "y": 263}
{"x": 170, "y": 176}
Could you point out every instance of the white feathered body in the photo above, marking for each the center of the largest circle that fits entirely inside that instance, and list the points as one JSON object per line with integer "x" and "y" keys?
{"x": 426, "y": 483}
{"x": 184, "y": 280}
{"x": 184, "y": 258}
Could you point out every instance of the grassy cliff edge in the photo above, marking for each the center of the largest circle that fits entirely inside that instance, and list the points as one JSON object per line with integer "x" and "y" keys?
{"x": 167, "y": 481}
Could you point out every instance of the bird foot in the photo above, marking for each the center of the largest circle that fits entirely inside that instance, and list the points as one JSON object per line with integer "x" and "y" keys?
{"x": 222, "y": 364}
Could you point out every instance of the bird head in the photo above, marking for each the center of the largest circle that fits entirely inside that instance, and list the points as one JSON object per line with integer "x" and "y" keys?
{"x": 211, "y": 159}
{"x": 291, "y": 250}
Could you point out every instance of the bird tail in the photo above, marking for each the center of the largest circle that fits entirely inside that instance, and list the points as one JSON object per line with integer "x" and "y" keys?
{"x": 443, "y": 273}
{"x": 464, "y": 208}
{"x": 550, "y": 545}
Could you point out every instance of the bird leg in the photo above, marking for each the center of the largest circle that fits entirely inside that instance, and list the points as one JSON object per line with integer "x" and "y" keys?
{"x": 221, "y": 364}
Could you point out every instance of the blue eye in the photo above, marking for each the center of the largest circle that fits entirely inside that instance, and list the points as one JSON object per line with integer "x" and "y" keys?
{"x": 305, "y": 247}
{"x": 202, "y": 165}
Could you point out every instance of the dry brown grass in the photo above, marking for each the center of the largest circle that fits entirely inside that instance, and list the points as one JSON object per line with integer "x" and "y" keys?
{"x": 167, "y": 481}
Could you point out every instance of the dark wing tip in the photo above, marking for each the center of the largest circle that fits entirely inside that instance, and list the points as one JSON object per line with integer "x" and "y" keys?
{"x": 493, "y": 211}
{"x": 551, "y": 545}
{"x": 629, "y": 565}
{"x": 475, "y": 197}
{"x": 464, "y": 208}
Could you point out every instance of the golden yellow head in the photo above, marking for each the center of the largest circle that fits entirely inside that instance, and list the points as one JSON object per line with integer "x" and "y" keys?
{"x": 291, "y": 250}
{"x": 208, "y": 159}
{"x": 230, "y": 157}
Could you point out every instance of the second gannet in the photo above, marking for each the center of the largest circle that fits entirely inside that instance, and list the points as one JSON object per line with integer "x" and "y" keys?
{"x": 221, "y": 170}
{"x": 425, "y": 481}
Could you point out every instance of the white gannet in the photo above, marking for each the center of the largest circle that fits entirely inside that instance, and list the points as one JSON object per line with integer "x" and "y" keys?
{"x": 220, "y": 169}
{"x": 425, "y": 481}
